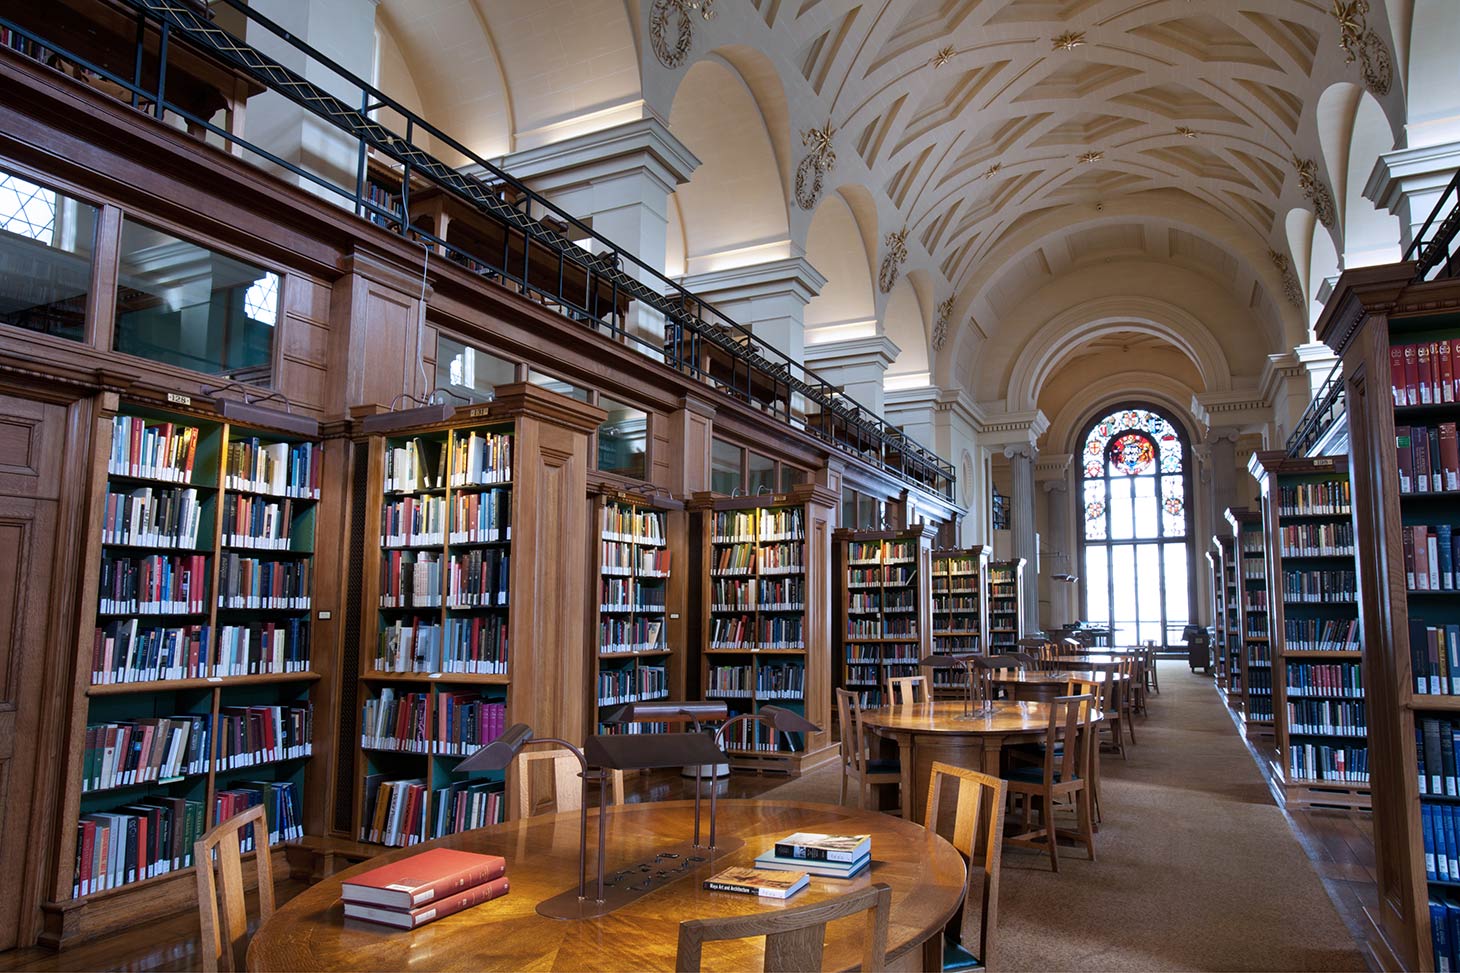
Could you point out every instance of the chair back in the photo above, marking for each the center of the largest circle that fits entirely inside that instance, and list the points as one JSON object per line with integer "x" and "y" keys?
{"x": 547, "y": 781}
{"x": 903, "y": 690}
{"x": 1021, "y": 660}
{"x": 853, "y": 736}
{"x": 225, "y": 924}
{"x": 1068, "y": 716}
{"x": 794, "y": 938}
{"x": 978, "y": 833}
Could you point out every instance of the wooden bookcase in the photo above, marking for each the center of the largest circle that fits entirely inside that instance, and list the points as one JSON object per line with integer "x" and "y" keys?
{"x": 637, "y": 603}
{"x": 1006, "y": 603}
{"x": 884, "y": 607}
{"x": 203, "y": 532}
{"x": 1254, "y": 660}
{"x": 1373, "y": 312}
{"x": 960, "y": 609}
{"x": 1318, "y": 701}
{"x": 765, "y": 619}
{"x": 469, "y": 605}
{"x": 1228, "y": 644}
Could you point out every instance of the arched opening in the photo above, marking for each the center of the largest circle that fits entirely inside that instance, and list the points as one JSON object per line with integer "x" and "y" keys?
{"x": 1135, "y": 539}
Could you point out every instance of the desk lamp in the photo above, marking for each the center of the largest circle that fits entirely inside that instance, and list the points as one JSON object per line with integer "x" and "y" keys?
{"x": 978, "y": 696}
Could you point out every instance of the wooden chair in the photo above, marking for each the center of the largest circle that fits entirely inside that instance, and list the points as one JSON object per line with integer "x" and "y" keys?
{"x": 1062, "y": 777}
{"x": 1153, "y": 681}
{"x": 794, "y": 938}
{"x": 1130, "y": 670}
{"x": 903, "y": 690}
{"x": 978, "y": 819}
{"x": 1109, "y": 702}
{"x": 225, "y": 933}
{"x": 562, "y": 772}
{"x": 1095, "y": 689}
{"x": 1021, "y": 660}
{"x": 856, "y": 759}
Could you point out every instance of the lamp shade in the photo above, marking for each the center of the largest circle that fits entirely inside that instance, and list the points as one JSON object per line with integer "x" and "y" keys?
{"x": 668, "y": 711}
{"x": 787, "y": 721}
{"x": 500, "y": 752}
{"x": 649, "y": 751}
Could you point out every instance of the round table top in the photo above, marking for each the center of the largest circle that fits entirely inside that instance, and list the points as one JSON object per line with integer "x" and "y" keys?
{"x": 1090, "y": 659}
{"x": 925, "y": 872}
{"x": 1036, "y": 677}
{"x": 1004, "y": 719}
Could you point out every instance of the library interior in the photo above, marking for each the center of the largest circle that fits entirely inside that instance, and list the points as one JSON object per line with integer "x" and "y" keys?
{"x": 729, "y": 484}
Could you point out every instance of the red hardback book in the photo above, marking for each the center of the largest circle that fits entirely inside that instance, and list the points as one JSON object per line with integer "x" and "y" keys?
{"x": 1424, "y": 373}
{"x": 412, "y": 918}
{"x": 1436, "y": 396}
{"x": 1421, "y": 559}
{"x": 421, "y": 879}
{"x": 1447, "y": 372}
{"x": 1411, "y": 376}
{"x": 1396, "y": 374}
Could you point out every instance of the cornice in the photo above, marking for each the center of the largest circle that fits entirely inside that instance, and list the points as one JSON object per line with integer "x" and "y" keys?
{"x": 644, "y": 143}
{"x": 1359, "y": 293}
{"x": 1053, "y": 467}
{"x": 1008, "y": 428}
{"x": 1404, "y": 171}
{"x": 877, "y": 349}
{"x": 787, "y": 276}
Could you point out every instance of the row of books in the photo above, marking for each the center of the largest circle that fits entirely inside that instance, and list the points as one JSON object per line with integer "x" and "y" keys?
{"x": 130, "y": 752}
{"x": 1423, "y": 373}
{"x": 476, "y": 518}
{"x": 896, "y": 626}
{"x": 1259, "y": 707}
{"x": 1311, "y": 679}
{"x": 1440, "y": 826}
{"x": 478, "y": 578}
{"x": 152, "y": 517}
{"x": 778, "y": 681}
{"x": 248, "y": 582}
{"x": 480, "y": 459}
{"x": 768, "y": 633}
{"x": 262, "y": 648}
{"x": 129, "y": 651}
{"x": 1435, "y": 745}
{"x": 1434, "y": 658}
{"x": 252, "y": 735}
{"x": 412, "y": 579}
{"x": 628, "y": 594}
{"x": 622, "y": 557}
{"x": 1312, "y": 761}
{"x": 630, "y": 635}
{"x": 1317, "y": 540}
{"x": 279, "y": 469}
{"x": 633, "y": 524}
{"x": 257, "y": 523}
{"x": 1327, "y": 586}
{"x": 1326, "y": 498}
{"x": 152, "y": 450}
{"x": 458, "y": 723}
{"x": 1314, "y": 635}
{"x": 466, "y": 721}
{"x": 956, "y": 585}
{"x": 394, "y": 811}
{"x": 1428, "y": 458}
{"x": 134, "y": 842}
{"x": 1431, "y": 556}
{"x": 1255, "y": 599}
{"x": 481, "y": 518}
{"x": 954, "y": 644}
{"x": 153, "y": 584}
{"x": 1445, "y": 933}
{"x": 754, "y": 737}
{"x": 766, "y": 524}
{"x": 465, "y": 805}
{"x": 956, "y": 604}
{"x": 632, "y": 685}
{"x": 783, "y": 557}
{"x": 1259, "y": 681}
{"x": 471, "y": 646}
{"x": 414, "y": 522}
{"x": 1326, "y": 717}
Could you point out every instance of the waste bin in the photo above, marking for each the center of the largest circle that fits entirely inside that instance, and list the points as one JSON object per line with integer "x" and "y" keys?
{"x": 1198, "y": 648}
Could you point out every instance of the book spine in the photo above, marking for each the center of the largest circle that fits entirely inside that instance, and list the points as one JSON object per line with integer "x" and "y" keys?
{"x": 809, "y": 853}
{"x": 737, "y": 889}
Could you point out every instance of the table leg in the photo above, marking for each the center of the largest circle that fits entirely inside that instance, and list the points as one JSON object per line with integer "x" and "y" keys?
{"x": 905, "y": 761}
{"x": 993, "y": 749}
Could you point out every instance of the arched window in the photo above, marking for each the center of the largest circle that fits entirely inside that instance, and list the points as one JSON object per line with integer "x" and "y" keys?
{"x": 1136, "y": 542}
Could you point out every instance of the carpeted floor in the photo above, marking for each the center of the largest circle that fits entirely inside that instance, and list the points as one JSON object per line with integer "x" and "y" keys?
{"x": 1196, "y": 868}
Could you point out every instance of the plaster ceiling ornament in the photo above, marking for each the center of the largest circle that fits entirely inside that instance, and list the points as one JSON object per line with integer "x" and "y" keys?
{"x": 1291, "y": 289}
{"x": 1360, "y": 43}
{"x": 672, "y": 55}
{"x": 1088, "y": 158}
{"x": 940, "y": 324}
{"x": 992, "y": 170}
{"x": 819, "y": 161}
{"x": 1186, "y": 133}
{"x": 1068, "y": 41}
{"x": 943, "y": 56}
{"x": 892, "y": 260}
{"x": 1314, "y": 189}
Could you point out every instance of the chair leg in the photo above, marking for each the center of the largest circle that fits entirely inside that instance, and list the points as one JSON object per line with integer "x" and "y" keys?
{"x": 1051, "y": 833}
{"x": 1082, "y": 811}
{"x": 1130, "y": 723}
{"x": 842, "y": 800}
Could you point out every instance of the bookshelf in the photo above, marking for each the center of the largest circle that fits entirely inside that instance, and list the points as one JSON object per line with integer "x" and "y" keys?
{"x": 960, "y": 609}
{"x": 476, "y": 517}
{"x": 765, "y": 619}
{"x": 638, "y": 614}
{"x": 197, "y": 683}
{"x": 1254, "y": 659}
{"x": 1318, "y": 697}
{"x": 1376, "y": 320}
{"x": 884, "y": 617}
{"x": 1006, "y": 600}
{"x": 1228, "y": 644}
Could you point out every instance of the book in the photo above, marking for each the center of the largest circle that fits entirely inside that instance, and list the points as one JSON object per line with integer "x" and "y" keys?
{"x": 825, "y": 847}
{"x": 421, "y": 879}
{"x": 449, "y": 905}
{"x": 823, "y": 869}
{"x": 755, "y": 881}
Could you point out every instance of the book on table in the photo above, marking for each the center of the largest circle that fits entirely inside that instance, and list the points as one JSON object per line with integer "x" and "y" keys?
{"x": 438, "y": 909}
{"x": 825, "y": 847}
{"x": 756, "y": 881}
{"x": 823, "y": 869}
{"x": 422, "y": 879}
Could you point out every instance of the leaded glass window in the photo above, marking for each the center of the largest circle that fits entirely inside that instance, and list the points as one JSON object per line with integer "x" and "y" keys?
{"x": 1136, "y": 538}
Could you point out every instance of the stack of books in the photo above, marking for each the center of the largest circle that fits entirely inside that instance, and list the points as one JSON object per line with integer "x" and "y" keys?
{"x": 825, "y": 855}
{"x": 425, "y": 887}
{"x": 758, "y": 881}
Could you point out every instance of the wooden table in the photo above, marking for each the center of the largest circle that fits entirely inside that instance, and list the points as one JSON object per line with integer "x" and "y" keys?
{"x": 1050, "y": 684}
{"x": 925, "y": 733}
{"x": 1090, "y": 660}
{"x": 925, "y": 872}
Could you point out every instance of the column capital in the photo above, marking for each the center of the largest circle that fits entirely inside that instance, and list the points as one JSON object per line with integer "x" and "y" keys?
{"x": 1020, "y": 451}
{"x": 1056, "y": 486}
{"x": 792, "y": 277}
{"x": 640, "y": 146}
{"x": 1001, "y": 427}
{"x": 1406, "y": 172}
{"x": 877, "y": 350}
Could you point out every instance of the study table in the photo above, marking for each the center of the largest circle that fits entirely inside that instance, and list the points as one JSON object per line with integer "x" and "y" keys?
{"x": 1041, "y": 686}
{"x": 925, "y": 872}
{"x": 939, "y": 731}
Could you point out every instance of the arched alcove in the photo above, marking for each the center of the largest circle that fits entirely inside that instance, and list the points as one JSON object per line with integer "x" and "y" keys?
{"x": 847, "y": 303}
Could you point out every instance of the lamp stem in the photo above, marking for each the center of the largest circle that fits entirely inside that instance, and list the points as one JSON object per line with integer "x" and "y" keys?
{"x": 583, "y": 818}
{"x": 602, "y": 825}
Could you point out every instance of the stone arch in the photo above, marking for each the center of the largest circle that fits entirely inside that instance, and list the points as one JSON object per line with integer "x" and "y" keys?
{"x": 1370, "y": 235}
{"x": 1173, "y": 396}
{"x": 847, "y": 305}
{"x": 905, "y": 320}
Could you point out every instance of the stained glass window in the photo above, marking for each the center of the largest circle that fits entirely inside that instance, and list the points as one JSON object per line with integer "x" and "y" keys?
{"x": 1135, "y": 541}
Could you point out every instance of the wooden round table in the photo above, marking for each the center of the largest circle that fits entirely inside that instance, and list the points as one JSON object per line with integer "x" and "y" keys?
{"x": 925, "y": 872}
{"x": 1039, "y": 686}
{"x": 1100, "y": 660}
{"x": 925, "y": 733}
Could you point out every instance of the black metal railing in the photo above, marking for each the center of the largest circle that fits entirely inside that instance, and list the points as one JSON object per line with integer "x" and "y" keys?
{"x": 1322, "y": 414}
{"x": 532, "y": 250}
{"x": 1433, "y": 249}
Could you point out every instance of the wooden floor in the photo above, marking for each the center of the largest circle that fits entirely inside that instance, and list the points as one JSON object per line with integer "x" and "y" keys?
{"x": 1340, "y": 844}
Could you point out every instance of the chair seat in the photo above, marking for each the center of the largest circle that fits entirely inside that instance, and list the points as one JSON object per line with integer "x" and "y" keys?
{"x": 884, "y": 766}
{"x": 1032, "y": 775}
{"x": 955, "y": 957}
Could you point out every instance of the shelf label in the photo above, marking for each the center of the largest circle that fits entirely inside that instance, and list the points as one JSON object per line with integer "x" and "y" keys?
{"x": 434, "y": 675}
{"x": 325, "y": 616}
{"x": 674, "y": 614}
{"x": 215, "y": 678}
{"x": 177, "y": 398}
{"x": 481, "y": 410}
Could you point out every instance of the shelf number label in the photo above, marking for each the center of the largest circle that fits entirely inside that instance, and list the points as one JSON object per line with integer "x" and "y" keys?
{"x": 215, "y": 678}
{"x": 177, "y": 398}
{"x": 481, "y": 410}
